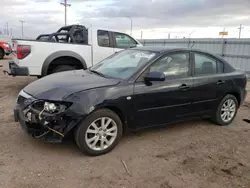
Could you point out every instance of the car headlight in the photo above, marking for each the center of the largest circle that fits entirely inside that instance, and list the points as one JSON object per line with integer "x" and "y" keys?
{"x": 56, "y": 107}
{"x": 51, "y": 107}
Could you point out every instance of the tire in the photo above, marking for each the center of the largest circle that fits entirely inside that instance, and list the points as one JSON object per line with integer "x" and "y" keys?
{"x": 62, "y": 68}
{"x": 1, "y": 53}
{"x": 218, "y": 117}
{"x": 82, "y": 132}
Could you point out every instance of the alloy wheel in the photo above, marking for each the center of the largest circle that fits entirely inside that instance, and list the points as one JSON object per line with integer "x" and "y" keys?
{"x": 101, "y": 133}
{"x": 228, "y": 110}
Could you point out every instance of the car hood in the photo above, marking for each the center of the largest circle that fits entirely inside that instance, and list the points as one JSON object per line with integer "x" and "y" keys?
{"x": 60, "y": 85}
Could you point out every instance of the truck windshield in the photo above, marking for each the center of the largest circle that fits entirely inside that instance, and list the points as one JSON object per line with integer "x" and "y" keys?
{"x": 123, "y": 64}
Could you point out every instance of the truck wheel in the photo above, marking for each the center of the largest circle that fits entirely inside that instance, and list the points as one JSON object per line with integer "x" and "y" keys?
{"x": 62, "y": 68}
{"x": 99, "y": 133}
{"x": 1, "y": 53}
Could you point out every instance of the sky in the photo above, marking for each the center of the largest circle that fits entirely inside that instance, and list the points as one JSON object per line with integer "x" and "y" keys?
{"x": 151, "y": 18}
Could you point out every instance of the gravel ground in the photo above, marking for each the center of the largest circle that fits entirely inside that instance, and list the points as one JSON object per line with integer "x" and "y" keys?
{"x": 195, "y": 154}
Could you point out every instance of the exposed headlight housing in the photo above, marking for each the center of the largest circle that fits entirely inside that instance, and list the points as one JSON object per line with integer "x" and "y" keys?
{"x": 51, "y": 107}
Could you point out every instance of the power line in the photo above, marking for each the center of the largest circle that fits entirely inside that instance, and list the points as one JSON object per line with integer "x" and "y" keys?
{"x": 65, "y": 4}
{"x": 22, "y": 26}
{"x": 240, "y": 28}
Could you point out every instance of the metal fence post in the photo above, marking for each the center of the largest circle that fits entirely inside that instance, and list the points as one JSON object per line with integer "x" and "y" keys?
{"x": 223, "y": 47}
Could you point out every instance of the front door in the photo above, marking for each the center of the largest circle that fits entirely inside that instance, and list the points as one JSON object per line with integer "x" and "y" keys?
{"x": 160, "y": 102}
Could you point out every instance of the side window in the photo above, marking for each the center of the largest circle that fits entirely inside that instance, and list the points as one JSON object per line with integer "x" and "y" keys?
{"x": 124, "y": 41}
{"x": 204, "y": 65}
{"x": 103, "y": 38}
{"x": 173, "y": 65}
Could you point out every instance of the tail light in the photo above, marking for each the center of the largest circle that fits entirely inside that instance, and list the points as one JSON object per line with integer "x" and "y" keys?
{"x": 23, "y": 51}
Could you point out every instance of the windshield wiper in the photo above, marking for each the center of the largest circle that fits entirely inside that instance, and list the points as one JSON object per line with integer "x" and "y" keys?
{"x": 96, "y": 72}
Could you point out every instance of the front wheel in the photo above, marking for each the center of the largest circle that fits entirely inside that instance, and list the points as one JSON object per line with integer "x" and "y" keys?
{"x": 99, "y": 133}
{"x": 226, "y": 110}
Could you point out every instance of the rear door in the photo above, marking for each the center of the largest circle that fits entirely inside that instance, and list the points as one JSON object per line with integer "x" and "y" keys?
{"x": 102, "y": 45}
{"x": 208, "y": 82}
{"x": 123, "y": 41}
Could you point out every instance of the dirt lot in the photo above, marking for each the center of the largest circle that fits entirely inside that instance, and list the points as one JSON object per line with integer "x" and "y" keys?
{"x": 196, "y": 154}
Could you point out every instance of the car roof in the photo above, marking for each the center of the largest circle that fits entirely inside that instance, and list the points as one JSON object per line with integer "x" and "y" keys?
{"x": 163, "y": 49}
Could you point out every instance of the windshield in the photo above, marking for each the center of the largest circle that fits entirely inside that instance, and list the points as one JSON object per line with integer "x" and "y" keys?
{"x": 123, "y": 64}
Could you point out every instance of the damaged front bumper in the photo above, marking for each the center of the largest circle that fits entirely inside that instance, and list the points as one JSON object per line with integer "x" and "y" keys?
{"x": 43, "y": 125}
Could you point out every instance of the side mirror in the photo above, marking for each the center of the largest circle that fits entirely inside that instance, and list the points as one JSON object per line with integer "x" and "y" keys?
{"x": 155, "y": 76}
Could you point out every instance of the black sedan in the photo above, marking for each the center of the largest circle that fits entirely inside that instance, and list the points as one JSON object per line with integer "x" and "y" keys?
{"x": 132, "y": 89}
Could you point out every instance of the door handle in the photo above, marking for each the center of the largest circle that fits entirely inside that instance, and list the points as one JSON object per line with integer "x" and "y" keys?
{"x": 184, "y": 87}
{"x": 220, "y": 82}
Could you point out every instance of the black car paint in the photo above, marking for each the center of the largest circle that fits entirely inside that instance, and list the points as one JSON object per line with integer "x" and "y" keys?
{"x": 137, "y": 103}
{"x": 60, "y": 85}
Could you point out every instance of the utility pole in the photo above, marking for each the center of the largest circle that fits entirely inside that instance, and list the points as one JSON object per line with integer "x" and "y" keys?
{"x": 223, "y": 31}
{"x": 7, "y": 28}
{"x": 240, "y": 28}
{"x": 168, "y": 35}
{"x": 131, "y": 25}
{"x": 141, "y": 34}
{"x": 22, "y": 26}
{"x": 65, "y": 4}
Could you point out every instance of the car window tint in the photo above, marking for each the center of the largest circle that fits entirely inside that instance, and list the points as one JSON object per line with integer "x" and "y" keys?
{"x": 173, "y": 66}
{"x": 124, "y": 41}
{"x": 103, "y": 38}
{"x": 220, "y": 66}
{"x": 204, "y": 65}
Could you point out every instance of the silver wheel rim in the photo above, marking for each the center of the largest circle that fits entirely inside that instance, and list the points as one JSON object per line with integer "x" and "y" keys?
{"x": 101, "y": 133}
{"x": 228, "y": 110}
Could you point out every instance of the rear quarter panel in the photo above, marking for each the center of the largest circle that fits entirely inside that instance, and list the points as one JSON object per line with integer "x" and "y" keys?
{"x": 235, "y": 83}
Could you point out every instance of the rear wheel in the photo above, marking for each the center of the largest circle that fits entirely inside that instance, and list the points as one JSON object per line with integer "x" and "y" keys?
{"x": 226, "y": 110}
{"x": 99, "y": 133}
{"x": 1, "y": 53}
{"x": 62, "y": 68}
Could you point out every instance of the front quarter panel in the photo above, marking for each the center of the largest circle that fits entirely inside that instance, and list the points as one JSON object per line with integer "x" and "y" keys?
{"x": 118, "y": 97}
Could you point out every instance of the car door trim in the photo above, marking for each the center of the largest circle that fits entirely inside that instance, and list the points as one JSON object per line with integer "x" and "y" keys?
{"x": 209, "y": 100}
{"x": 162, "y": 107}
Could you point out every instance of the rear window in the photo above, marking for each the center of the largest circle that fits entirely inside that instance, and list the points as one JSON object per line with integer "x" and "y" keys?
{"x": 103, "y": 38}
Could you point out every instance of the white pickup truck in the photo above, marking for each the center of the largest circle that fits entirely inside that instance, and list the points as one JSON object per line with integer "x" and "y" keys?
{"x": 71, "y": 47}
